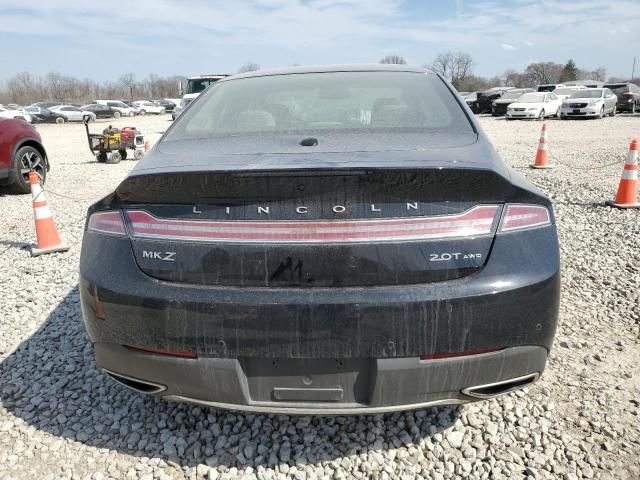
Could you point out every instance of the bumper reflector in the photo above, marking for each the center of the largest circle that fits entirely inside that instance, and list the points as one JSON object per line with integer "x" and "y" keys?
{"x": 438, "y": 356}
{"x": 160, "y": 351}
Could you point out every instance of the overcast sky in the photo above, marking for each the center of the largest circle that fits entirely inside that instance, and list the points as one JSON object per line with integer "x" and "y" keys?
{"x": 102, "y": 40}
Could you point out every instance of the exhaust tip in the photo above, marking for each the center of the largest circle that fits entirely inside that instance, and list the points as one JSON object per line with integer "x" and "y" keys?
{"x": 142, "y": 386}
{"x": 491, "y": 390}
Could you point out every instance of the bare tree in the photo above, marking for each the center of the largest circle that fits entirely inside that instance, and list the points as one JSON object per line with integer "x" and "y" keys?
{"x": 513, "y": 78}
{"x": 55, "y": 87}
{"x": 20, "y": 86}
{"x": 455, "y": 66}
{"x": 599, "y": 74}
{"x": 543, "y": 72}
{"x": 249, "y": 67}
{"x": 471, "y": 83}
{"x": 128, "y": 81}
{"x": 393, "y": 60}
{"x": 443, "y": 64}
{"x": 462, "y": 66}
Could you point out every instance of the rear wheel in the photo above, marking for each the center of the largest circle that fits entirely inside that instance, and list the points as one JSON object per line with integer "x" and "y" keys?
{"x": 142, "y": 112}
{"x": 116, "y": 114}
{"x": 633, "y": 108}
{"x": 101, "y": 157}
{"x": 26, "y": 159}
{"x": 541, "y": 116}
{"x": 131, "y": 114}
{"x": 601, "y": 112}
{"x": 59, "y": 120}
{"x": 614, "y": 111}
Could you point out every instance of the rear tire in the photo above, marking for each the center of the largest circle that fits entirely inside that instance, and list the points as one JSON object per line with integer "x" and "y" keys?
{"x": 614, "y": 111}
{"x": 59, "y": 120}
{"x": 101, "y": 157}
{"x": 26, "y": 159}
{"x": 633, "y": 108}
{"x": 541, "y": 116}
{"x": 142, "y": 112}
{"x": 116, "y": 114}
{"x": 601, "y": 112}
{"x": 131, "y": 114}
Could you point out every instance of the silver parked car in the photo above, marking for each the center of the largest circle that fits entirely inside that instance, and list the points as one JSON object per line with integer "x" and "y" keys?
{"x": 589, "y": 102}
{"x": 74, "y": 114}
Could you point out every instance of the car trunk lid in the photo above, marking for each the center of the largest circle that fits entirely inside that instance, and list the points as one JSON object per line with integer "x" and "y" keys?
{"x": 314, "y": 228}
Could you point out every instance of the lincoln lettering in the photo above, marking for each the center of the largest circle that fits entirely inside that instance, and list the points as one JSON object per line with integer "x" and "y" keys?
{"x": 265, "y": 210}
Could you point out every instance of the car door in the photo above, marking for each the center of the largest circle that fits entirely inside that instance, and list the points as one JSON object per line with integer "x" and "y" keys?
{"x": 72, "y": 113}
{"x": 610, "y": 100}
{"x": 100, "y": 110}
{"x": 554, "y": 103}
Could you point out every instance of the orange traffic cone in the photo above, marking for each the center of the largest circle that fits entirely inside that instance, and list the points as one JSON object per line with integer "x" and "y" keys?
{"x": 542, "y": 157}
{"x": 46, "y": 233}
{"x": 627, "y": 196}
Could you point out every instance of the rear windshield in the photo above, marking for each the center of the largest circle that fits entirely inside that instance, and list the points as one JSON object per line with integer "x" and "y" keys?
{"x": 512, "y": 95}
{"x": 531, "y": 98}
{"x": 312, "y": 102}
{"x": 620, "y": 88}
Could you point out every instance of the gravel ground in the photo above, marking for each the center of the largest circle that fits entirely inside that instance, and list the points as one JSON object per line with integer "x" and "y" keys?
{"x": 61, "y": 418}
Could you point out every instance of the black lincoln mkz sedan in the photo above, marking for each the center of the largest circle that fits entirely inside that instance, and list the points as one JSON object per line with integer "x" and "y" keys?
{"x": 322, "y": 240}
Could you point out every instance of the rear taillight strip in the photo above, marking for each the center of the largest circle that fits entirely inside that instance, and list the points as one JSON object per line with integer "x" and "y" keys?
{"x": 519, "y": 217}
{"x": 110, "y": 222}
{"x": 476, "y": 221}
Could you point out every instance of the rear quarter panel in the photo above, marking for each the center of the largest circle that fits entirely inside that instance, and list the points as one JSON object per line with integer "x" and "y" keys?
{"x": 14, "y": 133}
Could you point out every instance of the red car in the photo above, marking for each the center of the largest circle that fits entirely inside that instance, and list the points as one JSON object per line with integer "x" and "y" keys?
{"x": 21, "y": 150}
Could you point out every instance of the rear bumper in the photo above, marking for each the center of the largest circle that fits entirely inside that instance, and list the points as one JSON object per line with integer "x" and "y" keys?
{"x": 376, "y": 333}
{"x": 304, "y": 387}
{"x": 499, "y": 110}
{"x": 625, "y": 106}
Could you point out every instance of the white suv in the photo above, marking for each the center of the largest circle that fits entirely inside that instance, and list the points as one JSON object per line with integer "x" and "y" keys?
{"x": 144, "y": 107}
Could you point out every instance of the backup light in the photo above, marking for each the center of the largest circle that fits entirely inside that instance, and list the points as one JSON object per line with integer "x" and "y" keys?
{"x": 520, "y": 217}
{"x": 110, "y": 223}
